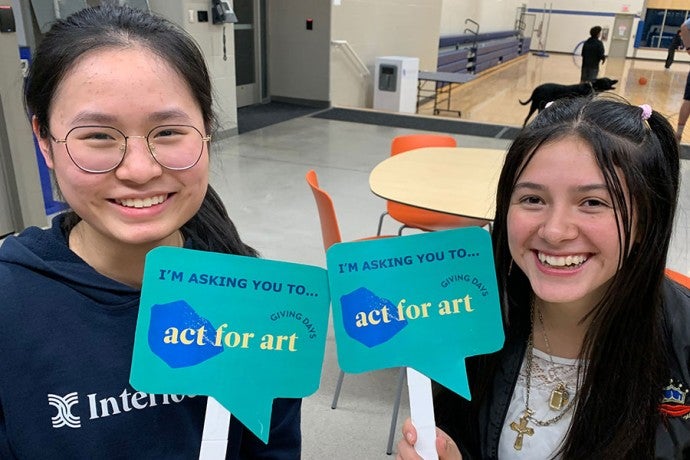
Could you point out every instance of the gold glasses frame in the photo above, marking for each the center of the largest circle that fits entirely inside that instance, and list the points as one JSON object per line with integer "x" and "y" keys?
{"x": 123, "y": 148}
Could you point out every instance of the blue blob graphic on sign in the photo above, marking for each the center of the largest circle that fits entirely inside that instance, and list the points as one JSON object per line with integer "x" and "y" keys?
{"x": 170, "y": 320}
{"x": 358, "y": 305}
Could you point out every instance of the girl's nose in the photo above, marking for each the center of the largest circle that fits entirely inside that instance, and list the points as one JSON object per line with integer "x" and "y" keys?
{"x": 558, "y": 226}
{"x": 138, "y": 164}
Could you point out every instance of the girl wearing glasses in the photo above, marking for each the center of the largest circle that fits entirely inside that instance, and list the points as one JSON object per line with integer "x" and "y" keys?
{"x": 120, "y": 103}
{"x": 596, "y": 362}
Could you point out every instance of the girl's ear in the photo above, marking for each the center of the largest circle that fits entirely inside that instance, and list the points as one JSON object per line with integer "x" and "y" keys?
{"x": 43, "y": 142}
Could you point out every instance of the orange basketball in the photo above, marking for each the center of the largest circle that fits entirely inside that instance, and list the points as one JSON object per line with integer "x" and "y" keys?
{"x": 642, "y": 81}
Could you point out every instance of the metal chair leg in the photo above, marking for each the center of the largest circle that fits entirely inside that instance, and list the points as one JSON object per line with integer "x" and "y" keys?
{"x": 338, "y": 386}
{"x": 396, "y": 407}
{"x": 378, "y": 232}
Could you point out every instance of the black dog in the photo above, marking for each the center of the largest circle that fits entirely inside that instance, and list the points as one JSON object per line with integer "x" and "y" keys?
{"x": 548, "y": 92}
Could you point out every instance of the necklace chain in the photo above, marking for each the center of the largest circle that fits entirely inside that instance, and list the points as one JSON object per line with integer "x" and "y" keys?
{"x": 520, "y": 426}
{"x": 559, "y": 396}
{"x": 528, "y": 378}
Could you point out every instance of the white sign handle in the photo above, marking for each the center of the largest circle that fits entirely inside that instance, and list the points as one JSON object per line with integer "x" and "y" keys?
{"x": 422, "y": 414}
{"x": 214, "y": 440}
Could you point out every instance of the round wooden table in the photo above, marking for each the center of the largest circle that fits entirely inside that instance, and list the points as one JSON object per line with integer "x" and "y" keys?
{"x": 454, "y": 180}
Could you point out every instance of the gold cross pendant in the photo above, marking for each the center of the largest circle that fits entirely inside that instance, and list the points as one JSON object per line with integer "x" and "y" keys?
{"x": 522, "y": 429}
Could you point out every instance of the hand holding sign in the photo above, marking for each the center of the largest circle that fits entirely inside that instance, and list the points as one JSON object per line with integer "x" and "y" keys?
{"x": 240, "y": 329}
{"x": 424, "y": 301}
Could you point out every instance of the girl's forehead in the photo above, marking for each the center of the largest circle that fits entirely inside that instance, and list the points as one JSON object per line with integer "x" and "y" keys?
{"x": 569, "y": 154}
{"x": 118, "y": 80}
{"x": 118, "y": 58}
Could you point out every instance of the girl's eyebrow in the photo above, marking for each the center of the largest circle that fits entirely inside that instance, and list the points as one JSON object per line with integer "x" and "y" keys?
{"x": 88, "y": 116}
{"x": 165, "y": 115}
{"x": 539, "y": 187}
{"x": 528, "y": 185}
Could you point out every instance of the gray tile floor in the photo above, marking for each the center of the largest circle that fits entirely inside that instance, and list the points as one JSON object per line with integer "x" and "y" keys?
{"x": 260, "y": 176}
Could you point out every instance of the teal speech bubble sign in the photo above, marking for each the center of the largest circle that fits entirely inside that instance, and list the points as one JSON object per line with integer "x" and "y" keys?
{"x": 240, "y": 329}
{"x": 425, "y": 301}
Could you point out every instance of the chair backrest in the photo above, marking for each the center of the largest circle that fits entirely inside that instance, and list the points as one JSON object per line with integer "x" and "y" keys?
{"x": 411, "y": 215}
{"x": 329, "y": 222}
{"x": 678, "y": 277}
{"x": 407, "y": 142}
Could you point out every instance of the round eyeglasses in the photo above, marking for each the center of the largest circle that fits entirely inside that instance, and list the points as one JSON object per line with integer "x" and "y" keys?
{"x": 99, "y": 149}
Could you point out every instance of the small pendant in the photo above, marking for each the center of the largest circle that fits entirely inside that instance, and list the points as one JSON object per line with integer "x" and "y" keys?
{"x": 559, "y": 397}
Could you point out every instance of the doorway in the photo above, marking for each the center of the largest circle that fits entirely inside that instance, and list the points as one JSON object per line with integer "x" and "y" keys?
{"x": 620, "y": 36}
{"x": 250, "y": 52}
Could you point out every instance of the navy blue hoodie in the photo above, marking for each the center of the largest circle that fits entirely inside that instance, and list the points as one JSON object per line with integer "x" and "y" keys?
{"x": 66, "y": 338}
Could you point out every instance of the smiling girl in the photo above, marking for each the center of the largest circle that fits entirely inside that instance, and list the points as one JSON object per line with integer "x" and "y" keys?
{"x": 120, "y": 104}
{"x": 596, "y": 361}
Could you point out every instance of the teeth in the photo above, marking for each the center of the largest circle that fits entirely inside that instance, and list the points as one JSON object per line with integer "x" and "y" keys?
{"x": 142, "y": 203}
{"x": 561, "y": 261}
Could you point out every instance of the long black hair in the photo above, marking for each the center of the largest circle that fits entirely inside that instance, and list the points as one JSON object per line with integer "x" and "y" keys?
{"x": 616, "y": 415}
{"x": 113, "y": 26}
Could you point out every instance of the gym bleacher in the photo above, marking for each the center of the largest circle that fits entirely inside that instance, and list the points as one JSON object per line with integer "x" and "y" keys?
{"x": 476, "y": 52}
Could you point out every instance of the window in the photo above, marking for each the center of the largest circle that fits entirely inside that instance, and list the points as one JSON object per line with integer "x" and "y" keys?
{"x": 660, "y": 26}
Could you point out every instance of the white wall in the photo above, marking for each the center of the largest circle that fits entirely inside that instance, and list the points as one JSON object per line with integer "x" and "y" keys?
{"x": 380, "y": 28}
{"x": 492, "y": 15}
{"x": 299, "y": 59}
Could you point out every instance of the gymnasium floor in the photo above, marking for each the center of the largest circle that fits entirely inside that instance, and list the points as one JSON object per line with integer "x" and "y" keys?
{"x": 260, "y": 176}
{"x": 493, "y": 96}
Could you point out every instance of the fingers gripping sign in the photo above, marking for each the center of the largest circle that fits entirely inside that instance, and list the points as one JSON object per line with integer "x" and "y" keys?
{"x": 445, "y": 447}
{"x": 423, "y": 301}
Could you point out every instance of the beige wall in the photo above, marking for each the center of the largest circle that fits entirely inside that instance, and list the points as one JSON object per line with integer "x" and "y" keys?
{"x": 492, "y": 15}
{"x": 298, "y": 59}
{"x": 379, "y": 28}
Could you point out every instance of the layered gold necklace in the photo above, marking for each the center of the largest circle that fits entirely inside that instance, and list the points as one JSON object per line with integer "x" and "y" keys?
{"x": 558, "y": 401}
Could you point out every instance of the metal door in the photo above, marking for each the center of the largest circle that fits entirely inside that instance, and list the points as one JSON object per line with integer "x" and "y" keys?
{"x": 250, "y": 51}
{"x": 620, "y": 36}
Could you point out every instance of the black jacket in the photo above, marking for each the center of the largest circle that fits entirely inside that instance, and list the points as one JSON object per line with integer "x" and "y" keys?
{"x": 592, "y": 53}
{"x": 476, "y": 428}
{"x": 676, "y": 42}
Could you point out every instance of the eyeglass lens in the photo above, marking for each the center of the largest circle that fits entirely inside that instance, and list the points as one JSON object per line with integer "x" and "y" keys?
{"x": 102, "y": 148}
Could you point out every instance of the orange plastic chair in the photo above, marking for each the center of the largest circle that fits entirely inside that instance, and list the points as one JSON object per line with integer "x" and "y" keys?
{"x": 678, "y": 277}
{"x": 412, "y": 216}
{"x": 330, "y": 232}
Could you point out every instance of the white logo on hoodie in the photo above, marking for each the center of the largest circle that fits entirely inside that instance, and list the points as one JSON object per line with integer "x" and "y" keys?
{"x": 106, "y": 407}
{"x": 63, "y": 404}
